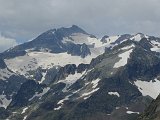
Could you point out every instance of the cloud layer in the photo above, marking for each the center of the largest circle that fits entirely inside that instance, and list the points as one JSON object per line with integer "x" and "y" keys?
{"x": 6, "y": 43}
{"x": 26, "y": 19}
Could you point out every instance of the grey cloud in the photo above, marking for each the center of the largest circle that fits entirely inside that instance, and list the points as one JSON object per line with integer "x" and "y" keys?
{"x": 25, "y": 19}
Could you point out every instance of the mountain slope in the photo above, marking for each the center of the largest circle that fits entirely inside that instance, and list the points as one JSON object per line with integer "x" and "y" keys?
{"x": 152, "y": 112}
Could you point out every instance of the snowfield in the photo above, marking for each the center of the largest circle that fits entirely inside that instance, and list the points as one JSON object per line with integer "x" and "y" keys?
{"x": 33, "y": 60}
{"x": 149, "y": 88}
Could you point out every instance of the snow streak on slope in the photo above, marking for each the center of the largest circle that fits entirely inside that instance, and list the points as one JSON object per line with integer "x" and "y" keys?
{"x": 124, "y": 57}
{"x": 88, "y": 91}
{"x": 131, "y": 112}
{"x": 61, "y": 102}
{"x": 95, "y": 83}
{"x": 71, "y": 79}
{"x": 39, "y": 95}
{"x": 151, "y": 88}
{"x": 24, "y": 110}
{"x": 128, "y": 47}
{"x": 86, "y": 95}
{"x": 25, "y": 117}
{"x": 43, "y": 77}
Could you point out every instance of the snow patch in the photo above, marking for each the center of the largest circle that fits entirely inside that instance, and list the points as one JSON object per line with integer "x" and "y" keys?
{"x": 131, "y": 112}
{"x": 117, "y": 108}
{"x": 151, "y": 88}
{"x": 58, "y": 108}
{"x": 156, "y": 49}
{"x": 124, "y": 57}
{"x": 114, "y": 93}
{"x": 4, "y": 102}
{"x": 155, "y": 45}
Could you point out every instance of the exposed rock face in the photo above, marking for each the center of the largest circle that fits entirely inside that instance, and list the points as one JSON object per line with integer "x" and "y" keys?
{"x": 27, "y": 90}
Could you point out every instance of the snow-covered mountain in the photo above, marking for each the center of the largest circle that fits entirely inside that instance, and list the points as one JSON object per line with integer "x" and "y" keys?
{"x": 68, "y": 74}
{"x": 52, "y": 47}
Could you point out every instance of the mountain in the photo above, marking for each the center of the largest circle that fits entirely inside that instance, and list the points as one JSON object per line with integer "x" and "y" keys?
{"x": 55, "y": 41}
{"x": 68, "y": 74}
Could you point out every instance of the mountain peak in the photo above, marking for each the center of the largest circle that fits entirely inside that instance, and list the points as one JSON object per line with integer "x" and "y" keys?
{"x": 75, "y": 26}
{"x": 139, "y": 33}
{"x": 137, "y": 37}
{"x": 64, "y": 31}
{"x": 72, "y": 29}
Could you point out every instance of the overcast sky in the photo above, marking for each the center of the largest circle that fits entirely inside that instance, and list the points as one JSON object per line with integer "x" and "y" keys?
{"x": 22, "y": 20}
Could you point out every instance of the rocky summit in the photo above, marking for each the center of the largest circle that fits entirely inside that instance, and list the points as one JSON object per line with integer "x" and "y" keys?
{"x": 69, "y": 74}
